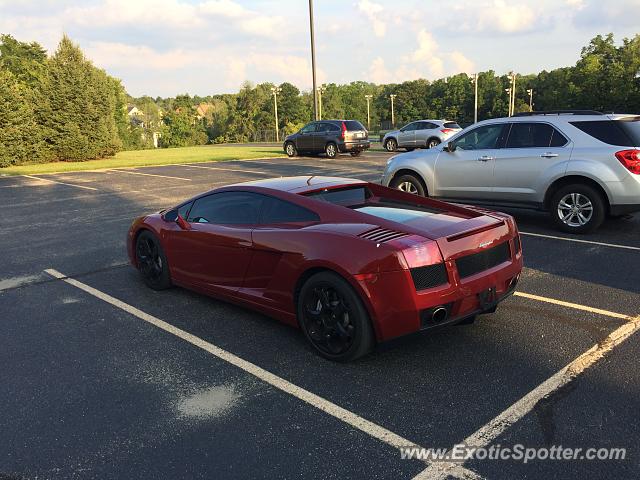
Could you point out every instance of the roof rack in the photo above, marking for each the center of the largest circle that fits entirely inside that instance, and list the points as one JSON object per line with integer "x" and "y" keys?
{"x": 559, "y": 112}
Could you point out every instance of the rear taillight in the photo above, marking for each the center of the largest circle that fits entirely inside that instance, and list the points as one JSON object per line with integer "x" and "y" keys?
{"x": 447, "y": 130}
{"x": 422, "y": 254}
{"x": 343, "y": 131}
{"x": 630, "y": 159}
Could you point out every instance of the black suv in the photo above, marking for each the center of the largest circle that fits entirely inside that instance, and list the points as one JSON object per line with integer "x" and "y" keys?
{"x": 328, "y": 136}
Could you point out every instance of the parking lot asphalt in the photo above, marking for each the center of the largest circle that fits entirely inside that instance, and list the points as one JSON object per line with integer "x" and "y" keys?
{"x": 145, "y": 385}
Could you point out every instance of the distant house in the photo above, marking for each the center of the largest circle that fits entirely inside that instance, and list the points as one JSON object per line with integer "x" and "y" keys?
{"x": 135, "y": 116}
{"x": 202, "y": 109}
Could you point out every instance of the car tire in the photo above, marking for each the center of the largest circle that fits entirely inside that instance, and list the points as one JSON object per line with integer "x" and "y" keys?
{"x": 290, "y": 149}
{"x": 391, "y": 145}
{"x": 409, "y": 149}
{"x": 577, "y": 208}
{"x": 333, "y": 318}
{"x": 433, "y": 142}
{"x": 356, "y": 153}
{"x": 331, "y": 150}
{"x": 152, "y": 262}
{"x": 410, "y": 184}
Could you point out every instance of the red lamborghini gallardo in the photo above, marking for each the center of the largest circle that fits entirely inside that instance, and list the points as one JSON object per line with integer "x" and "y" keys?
{"x": 351, "y": 263}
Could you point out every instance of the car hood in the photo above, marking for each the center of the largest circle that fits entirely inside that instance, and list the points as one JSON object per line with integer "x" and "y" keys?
{"x": 393, "y": 132}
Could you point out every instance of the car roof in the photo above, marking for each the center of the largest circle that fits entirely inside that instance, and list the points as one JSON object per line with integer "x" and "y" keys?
{"x": 301, "y": 184}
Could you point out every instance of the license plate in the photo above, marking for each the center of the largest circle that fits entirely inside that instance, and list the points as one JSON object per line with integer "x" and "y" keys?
{"x": 359, "y": 135}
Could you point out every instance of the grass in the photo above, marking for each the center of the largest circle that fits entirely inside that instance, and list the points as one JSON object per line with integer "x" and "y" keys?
{"x": 142, "y": 158}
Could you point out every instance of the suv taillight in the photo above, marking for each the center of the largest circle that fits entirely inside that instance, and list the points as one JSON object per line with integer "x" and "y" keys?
{"x": 447, "y": 130}
{"x": 630, "y": 159}
{"x": 343, "y": 131}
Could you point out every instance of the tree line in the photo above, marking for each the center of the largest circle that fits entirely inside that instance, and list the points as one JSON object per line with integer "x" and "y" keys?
{"x": 64, "y": 108}
{"x": 57, "y": 108}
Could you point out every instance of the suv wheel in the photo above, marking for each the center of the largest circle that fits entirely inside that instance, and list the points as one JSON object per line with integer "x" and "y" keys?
{"x": 331, "y": 150}
{"x": 391, "y": 145}
{"x": 290, "y": 149}
{"x": 410, "y": 184}
{"x": 577, "y": 208}
{"x": 433, "y": 142}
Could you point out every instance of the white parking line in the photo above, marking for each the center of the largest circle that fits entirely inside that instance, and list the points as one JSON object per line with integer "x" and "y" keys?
{"x": 224, "y": 169}
{"x": 60, "y": 183}
{"x": 577, "y": 240}
{"x": 148, "y": 174}
{"x": 485, "y": 435}
{"x": 356, "y": 421}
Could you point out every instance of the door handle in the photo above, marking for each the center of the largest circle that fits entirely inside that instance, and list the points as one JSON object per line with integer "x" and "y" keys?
{"x": 486, "y": 158}
{"x": 549, "y": 155}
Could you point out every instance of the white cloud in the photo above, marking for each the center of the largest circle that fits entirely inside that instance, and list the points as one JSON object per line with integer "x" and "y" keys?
{"x": 461, "y": 63}
{"x": 374, "y": 13}
{"x": 113, "y": 55}
{"x": 495, "y": 16}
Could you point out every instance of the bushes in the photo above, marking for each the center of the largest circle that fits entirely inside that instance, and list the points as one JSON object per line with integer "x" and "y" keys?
{"x": 57, "y": 108}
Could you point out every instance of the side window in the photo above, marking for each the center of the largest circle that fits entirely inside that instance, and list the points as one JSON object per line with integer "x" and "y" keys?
{"x": 607, "y": 131}
{"x": 484, "y": 137}
{"x": 530, "y": 135}
{"x": 184, "y": 210}
{"x": 332, "y": 127}
{"x": 557, "y": 139}
{"x": 280, "y": 211}
{"x": 227, "y": 208}
{"x": 308, "y": 128}
{"x": 409, "y": 128}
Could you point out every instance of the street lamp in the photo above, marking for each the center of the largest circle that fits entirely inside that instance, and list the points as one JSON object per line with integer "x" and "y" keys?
{"x": 474, "y": 80}
{"x": 508, "y": 90}
{"x": 393, "y": 117}
{"x": 530, "y": 92}
{"x": 321, "y": 89}
{"x": 313, "y": 61}
{"x": 368, "y": 97}
{"x": 513, "y": 94}
{"x": 276, "y": 91}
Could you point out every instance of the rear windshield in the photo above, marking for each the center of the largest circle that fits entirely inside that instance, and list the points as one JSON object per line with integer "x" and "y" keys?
{"x": 399, "y": 215}
{"x": 353, "y": 125}
{"x": 343, "y": 196}
{"x": 624, "y": 132}
{"x": 451, "y": 125}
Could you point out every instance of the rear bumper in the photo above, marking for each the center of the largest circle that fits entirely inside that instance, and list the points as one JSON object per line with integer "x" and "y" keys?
{"x": 355, "y": 146}
{"x": 398, "y": 309}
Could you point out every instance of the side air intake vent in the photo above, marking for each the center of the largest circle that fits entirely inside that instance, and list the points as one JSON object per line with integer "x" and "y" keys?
{"x": 381, "y": 235}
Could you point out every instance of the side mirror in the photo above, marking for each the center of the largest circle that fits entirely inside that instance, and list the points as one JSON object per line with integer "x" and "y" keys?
{"x": 182, "y": 223}
{"x": 451, "y": 147}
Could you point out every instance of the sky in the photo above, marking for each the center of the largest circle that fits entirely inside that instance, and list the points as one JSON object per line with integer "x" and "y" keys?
{"x": 205, "y": 47}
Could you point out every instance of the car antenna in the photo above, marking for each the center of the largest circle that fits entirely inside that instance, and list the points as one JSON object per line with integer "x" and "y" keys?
{"x": 309, "y": 180}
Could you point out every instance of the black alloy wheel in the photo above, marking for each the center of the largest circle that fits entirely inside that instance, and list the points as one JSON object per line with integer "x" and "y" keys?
{"x": 152, "y": 262}
{"x": 333, "y": 318}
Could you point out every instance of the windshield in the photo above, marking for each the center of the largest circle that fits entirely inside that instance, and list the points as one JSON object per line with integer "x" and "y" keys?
{"x": 343, "y": 196}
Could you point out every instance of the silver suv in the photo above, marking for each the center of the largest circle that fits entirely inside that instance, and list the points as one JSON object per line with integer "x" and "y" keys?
{"x": 578, "y": 165}
{"x": 420, "y": 134}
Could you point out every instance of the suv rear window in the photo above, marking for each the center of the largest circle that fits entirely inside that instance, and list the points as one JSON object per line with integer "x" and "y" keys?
{"x": 353, "y": 125}
{"x": 450, "y": 125}
{"x": 624, "y": 133}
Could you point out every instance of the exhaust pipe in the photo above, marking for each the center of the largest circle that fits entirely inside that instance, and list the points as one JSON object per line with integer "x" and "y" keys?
{"x": 439, "y": 314}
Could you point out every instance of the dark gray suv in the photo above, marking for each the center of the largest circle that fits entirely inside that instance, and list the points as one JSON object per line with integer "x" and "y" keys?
{"x": 328, "y": 136}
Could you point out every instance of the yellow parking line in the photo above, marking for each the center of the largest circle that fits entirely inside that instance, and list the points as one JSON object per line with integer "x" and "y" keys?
{"x": 577, "y": 306}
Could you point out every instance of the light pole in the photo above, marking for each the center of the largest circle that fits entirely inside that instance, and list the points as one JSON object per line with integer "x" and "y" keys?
{"x": 530, "y": 92}
{"x": 513, "y": 94}
{"x": 508, "y": 90}
{"x": 393, "y": 117}
{"x": 474, "y": 79}
{"x": 313, "y": 61}
{"x": 321, "y": 89}
{"x": 368, "y": 97}
{"x": 276, "y": 91}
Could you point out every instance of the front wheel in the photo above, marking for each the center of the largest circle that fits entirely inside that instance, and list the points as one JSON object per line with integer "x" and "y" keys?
{"x": 409, "y": 183}
{"x": 152, "y": 262}
{"x": 333, "y": 318}
{"x": 577, "y": 208}
{"x": 391, "y": 145}
{"x": 290, "y": 149}
{"x": 331, "y": 150}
